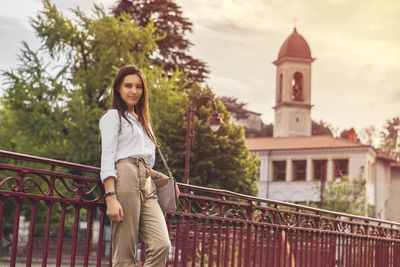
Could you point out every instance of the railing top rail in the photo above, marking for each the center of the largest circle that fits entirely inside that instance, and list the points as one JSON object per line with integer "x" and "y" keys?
{"x": 227, "y": 193}
{"x": 43, "y": 160}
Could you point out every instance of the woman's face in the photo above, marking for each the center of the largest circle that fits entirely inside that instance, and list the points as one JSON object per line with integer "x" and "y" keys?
{"x": 131, "y": 90}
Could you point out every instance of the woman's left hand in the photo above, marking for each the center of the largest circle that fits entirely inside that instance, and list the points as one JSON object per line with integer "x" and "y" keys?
{"x": 159, "y": 175}
{"x": 177, "y": 191}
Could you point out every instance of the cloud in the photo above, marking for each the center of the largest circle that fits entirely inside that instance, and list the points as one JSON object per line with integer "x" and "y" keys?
{"x": 356, "y": 43}
{"x": 230, "y": 27}
{"x": 12, "y": 33}
{"x": 19, "y": 13}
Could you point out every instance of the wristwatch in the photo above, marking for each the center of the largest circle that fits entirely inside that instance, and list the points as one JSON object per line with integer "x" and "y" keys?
{"x": 111, "y": 193}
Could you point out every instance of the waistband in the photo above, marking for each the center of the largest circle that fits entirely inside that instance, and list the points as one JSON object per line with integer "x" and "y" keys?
{"x": 135, "y": 161}
{"x": 145, "y": 184}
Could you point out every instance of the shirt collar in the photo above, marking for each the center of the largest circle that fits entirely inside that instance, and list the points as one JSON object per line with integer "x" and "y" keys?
{"x": 133, "y": 117}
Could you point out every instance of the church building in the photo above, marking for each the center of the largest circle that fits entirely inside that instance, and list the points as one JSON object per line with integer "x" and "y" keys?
{"x": 293, "y": 162}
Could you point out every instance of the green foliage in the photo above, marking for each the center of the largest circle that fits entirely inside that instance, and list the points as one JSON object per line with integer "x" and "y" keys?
{"x": 237, "y": 108}
{"x": 321, "y": 128}
{"x": 7, "y": 131}
{"x": 346, "y": 196}
{"x": 56, "y": 113}
{"x": 32, "y": 107}
{"x": 221, "y": 159}
{"x": 390, "y": 139}
{"x": 53, "y": 110}
{"x": 267, "y": 130}
{"x": 168, "y": 110}
{"x": 173, "y": 48}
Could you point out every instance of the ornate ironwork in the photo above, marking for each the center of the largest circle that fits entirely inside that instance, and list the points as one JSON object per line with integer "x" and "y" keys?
{"x": 211, "y": 226}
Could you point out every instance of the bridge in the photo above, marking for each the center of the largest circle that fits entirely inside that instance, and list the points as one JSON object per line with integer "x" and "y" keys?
{"x": 52, "y": 213}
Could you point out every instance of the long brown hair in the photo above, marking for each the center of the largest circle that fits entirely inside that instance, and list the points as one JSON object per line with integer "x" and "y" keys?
{"x": 141, "y": 108}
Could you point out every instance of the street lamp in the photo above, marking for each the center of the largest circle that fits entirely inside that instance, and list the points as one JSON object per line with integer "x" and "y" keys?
{"x": 214, "y": 121}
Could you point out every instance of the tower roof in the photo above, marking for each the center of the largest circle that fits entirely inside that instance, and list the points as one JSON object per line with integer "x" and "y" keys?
{"x": 295, "y": 46}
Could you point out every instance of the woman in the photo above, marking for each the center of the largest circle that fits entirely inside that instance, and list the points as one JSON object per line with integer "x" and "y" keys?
{"x": 128, "y": 154}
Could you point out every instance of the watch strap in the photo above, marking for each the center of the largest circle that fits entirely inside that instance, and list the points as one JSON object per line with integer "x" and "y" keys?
{"x": 111, "y": 193}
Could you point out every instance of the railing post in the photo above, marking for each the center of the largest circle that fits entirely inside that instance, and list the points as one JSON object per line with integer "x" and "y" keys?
{"x": 1, "y": 218}
{"x": 49, "y": 206}
{"x": 89, "y": 221}
{"x": 15, "y": 232}
{"x": 100, "y": 242}
{"x": 32, "y": 222}
{"x": 75, "y": 234}
{"x": 250, "y": 211}
{"x": 60, "y": 234}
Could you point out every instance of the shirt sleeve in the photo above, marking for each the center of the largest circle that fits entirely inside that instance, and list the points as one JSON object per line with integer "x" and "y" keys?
{"x": 109, "y": 128}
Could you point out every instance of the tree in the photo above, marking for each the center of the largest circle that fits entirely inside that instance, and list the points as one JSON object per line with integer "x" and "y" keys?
{"x": 390, "y": 140}
{"x": 33, "y": 108}
{"x": 369, "y": 135}
{"x": 233, "y": 105}
{"x": 346, "y": 195}
{"x": 56, "y": 112}
{"x": 321, "y": 128}
{"x": 52, "y": 110}
{"x": 221, "y": 159}
{"x": 238, "y": 111}
{"x": 173, "y": 47}
{"x": 267, "y": 130}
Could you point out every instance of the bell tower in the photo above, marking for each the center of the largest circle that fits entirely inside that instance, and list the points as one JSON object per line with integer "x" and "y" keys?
{"x": 293, "y": 88}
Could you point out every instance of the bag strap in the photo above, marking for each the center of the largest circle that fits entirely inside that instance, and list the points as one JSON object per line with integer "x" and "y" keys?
{"x": 164, "y": 162}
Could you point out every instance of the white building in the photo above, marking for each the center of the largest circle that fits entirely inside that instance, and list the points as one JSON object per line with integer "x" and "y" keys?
{"x": 293, "y": 162}
{"x": 252, "y": 122}
{"x": 248, "y": 119}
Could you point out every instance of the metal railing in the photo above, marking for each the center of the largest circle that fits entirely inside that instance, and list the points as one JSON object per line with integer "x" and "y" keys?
{"x": 52, "y": 212}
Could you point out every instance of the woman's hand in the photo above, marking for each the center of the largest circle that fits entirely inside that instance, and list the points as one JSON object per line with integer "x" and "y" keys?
{"x": 162, "y": 175}
{"x": 114, "y": 209}
{"x": 159, "y": 175}
{"x": 177, "y": 191}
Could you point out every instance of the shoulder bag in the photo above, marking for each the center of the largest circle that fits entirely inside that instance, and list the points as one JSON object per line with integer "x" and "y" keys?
{"x": 166, "y": 190}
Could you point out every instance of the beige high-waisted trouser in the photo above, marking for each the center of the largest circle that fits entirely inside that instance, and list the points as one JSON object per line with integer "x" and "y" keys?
{"x": 142, "y": 217}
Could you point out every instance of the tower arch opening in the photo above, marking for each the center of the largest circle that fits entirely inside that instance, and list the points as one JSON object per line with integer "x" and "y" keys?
{"x": 297, "y": 87}
{"x": 280, "y": 88}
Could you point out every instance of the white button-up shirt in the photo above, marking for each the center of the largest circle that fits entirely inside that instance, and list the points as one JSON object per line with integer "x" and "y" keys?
{"x": 132, "y": 141}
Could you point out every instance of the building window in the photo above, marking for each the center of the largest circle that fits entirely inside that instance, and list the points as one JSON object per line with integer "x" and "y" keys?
{"x": 299, "y": 170}
{"x": 341, "y": 168}
{"x": 319, "y": 169}
{"x": 279, "y": 168}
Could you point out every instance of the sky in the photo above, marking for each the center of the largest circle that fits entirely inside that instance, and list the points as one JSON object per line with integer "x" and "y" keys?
{"x": 356, "y": 45}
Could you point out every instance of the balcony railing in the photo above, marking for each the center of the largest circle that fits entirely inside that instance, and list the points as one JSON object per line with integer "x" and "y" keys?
{"x": 52, "y": 213}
